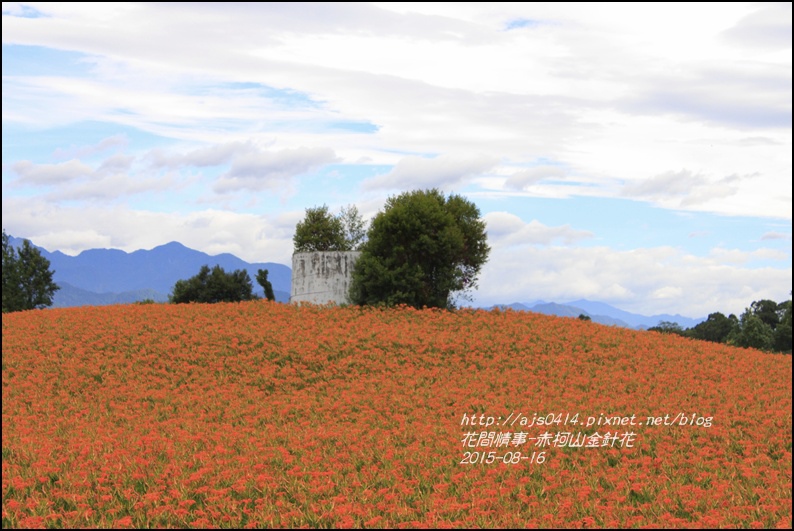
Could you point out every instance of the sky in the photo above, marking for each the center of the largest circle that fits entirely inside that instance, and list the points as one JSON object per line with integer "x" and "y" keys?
{"x": 634, "y": 154}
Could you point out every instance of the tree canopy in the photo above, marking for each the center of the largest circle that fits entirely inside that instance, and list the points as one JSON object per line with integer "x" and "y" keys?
{"x": 423, "y": 249}
{"x": 215, "y": 285}
{"x": 716, "y": 328}
{"x": 27, "y": 278}
{"x": 765, "y": 325}
{"x": 320, "y": 230}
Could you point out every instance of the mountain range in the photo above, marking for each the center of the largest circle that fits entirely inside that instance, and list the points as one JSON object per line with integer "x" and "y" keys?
{"x": 112, "y": 276}
{"x": 99, "y": 277}
{"x": 602, "y": 313}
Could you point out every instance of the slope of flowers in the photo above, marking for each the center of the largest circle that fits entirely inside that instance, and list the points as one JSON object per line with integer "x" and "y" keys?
{"x": 266, "y": 415}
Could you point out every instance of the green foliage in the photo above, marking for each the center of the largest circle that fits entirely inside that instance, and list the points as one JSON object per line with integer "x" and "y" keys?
{"x": 765, "y": 325}
{"x": 766, "y": 310}
{"x": 355, "y": 229}
{"x": 261, "y": 278}
{"x": 752, "y": 332}
{"x": 668, "y": 327}
{"x": 716, "y": 328}
{"x": 214, "y": 286}
{"x": 421, "y": 250}
{"x": 585, "y": 317}
{"x": 27, "y": 278}
{"x": 783, "y": 330}
{"x": 321, "y": 231}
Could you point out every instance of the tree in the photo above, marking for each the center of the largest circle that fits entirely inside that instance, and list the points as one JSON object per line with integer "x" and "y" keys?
{"x": 783, "y": 329}
{"x": 354, "y": 227}
{"x": 321, "y": 231}
{"x": 27, "y": 278}
{"x": 422, "y": 250}
{"x": 214, "y": 286}
{"x": 767, "y": 311}
{"x": 716, "y": 328}
{"x": 752, "y": 332}
{"x": 261, "y": 278}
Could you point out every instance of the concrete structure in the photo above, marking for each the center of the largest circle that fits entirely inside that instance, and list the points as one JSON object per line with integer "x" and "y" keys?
{"x": 322, "y": 277}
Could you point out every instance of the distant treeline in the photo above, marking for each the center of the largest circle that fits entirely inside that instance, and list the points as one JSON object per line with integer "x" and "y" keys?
{"x": 765, "y": 325}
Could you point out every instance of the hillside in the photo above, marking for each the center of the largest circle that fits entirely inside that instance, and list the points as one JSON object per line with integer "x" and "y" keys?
{"x": 268, "y": 415}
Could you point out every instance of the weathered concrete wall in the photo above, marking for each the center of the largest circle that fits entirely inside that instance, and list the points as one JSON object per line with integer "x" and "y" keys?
{"x": 322, "y": 277}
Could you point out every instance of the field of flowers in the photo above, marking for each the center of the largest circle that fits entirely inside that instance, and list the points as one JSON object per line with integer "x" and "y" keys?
{"x": 267, "y": 415}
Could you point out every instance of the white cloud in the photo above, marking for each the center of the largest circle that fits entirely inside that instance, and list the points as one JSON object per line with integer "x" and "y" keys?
{"x": 557, "y": 90}
{"x": 118, "y": 163}
{"x": 648, "y": 281}
{"x": 736, "y": 256}
{"x": 769, "y": 27}
{"x": 505, "y": 229}
{"x": 260, "y": 170}
{"x": 773, "y": 235}
{"x": 445, "y": 172}
{"x": 114, "y": 178}
{"x": 524, "y": 178}
{"x": 79, "y": 152}
{"x": 684, "y": 188}
{"x": 50, "y": 174}
{"x": 70, "y": 229}
{"x": 213, "y": 155}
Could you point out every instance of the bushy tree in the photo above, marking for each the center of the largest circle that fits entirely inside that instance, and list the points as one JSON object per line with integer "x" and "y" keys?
{"x": 766, "y": 310}
{"x": 27, "y": 278}
{"x": 214, "y": 285}
{"x": 319, "y": 230}
{"x": 783, "y": 329}
{"x": 716, "y": 328}
{"x": 423, "y": 249}
{"x": 261, "y": 278}
{"x": 752, "y": 332}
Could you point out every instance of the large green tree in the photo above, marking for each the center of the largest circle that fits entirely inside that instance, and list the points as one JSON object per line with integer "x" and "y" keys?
{"x": 320, "y": 230}
{"x": 716, "y": 328}
{"x": 752, "y": 332}
{"x": 27, "y": 278}
{"x": 214, "y": 285}
{"x": 767, "y": 311}
{"x": 423, "y": 249}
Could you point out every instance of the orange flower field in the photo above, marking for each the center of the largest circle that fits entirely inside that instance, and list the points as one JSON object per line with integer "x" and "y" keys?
{"x": 260, "y": 414}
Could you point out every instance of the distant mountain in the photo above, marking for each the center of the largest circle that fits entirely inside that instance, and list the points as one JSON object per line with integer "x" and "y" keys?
{"x": 601, "y": 313}
{"x": 111, "y": 276}
{"x": 564, "y": 310}
{"x": 68, "y": 296}
{"x": 552, "y": 308}
{"x": 634, "y": 319}
{"x": 515, "y": 306}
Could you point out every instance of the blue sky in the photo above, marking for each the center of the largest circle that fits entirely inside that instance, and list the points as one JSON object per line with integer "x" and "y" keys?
{"x": 636, "y": 154}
